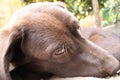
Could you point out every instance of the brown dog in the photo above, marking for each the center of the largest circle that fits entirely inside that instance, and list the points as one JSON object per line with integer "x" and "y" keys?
{"x": 43, "y": 38}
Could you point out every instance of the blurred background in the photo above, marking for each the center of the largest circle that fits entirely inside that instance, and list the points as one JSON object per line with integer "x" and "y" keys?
{"x": 91, "y": 13}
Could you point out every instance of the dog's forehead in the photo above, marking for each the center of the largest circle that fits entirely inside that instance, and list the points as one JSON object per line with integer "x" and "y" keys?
{"x": 39, "y": 14}
{"x": 46, "y": 22}
{"x": 50, "y": 8}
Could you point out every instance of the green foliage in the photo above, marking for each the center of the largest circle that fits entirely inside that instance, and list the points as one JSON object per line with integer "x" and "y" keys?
{"x": 110, "y": 12}
{"x": 82, "y": 8}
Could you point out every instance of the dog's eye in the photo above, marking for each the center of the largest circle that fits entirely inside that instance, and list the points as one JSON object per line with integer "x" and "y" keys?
{"x": 60, "y": 50}
{"x": 60, "y": 55}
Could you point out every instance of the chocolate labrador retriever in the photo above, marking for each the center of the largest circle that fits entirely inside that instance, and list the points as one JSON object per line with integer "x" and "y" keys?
{"x": 44, "y": 39}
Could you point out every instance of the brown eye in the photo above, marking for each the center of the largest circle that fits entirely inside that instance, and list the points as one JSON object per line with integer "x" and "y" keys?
{"x": 60, "y": 50}
{"x": 60, "y": 54}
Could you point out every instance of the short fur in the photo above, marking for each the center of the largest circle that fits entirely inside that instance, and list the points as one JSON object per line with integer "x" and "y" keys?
{"x": 43, "y": 39}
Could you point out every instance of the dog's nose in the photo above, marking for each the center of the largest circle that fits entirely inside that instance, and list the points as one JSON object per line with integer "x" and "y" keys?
{"x": 112, "y": 67}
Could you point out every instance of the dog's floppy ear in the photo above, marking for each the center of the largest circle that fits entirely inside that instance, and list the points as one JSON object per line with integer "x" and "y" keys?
{"x": 8, "y": 39}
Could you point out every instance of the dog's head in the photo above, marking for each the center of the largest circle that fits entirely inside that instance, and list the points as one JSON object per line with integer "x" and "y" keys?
{"x": 44, "y": 37}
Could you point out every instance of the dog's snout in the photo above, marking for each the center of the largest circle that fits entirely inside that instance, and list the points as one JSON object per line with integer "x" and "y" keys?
{"x": 114, "y": 69}
{"x": 111, "y": 67}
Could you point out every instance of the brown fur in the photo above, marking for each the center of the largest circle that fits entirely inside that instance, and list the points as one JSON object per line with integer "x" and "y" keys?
{"x": 43, "y": 39}
{"x": 105, "y": 39}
